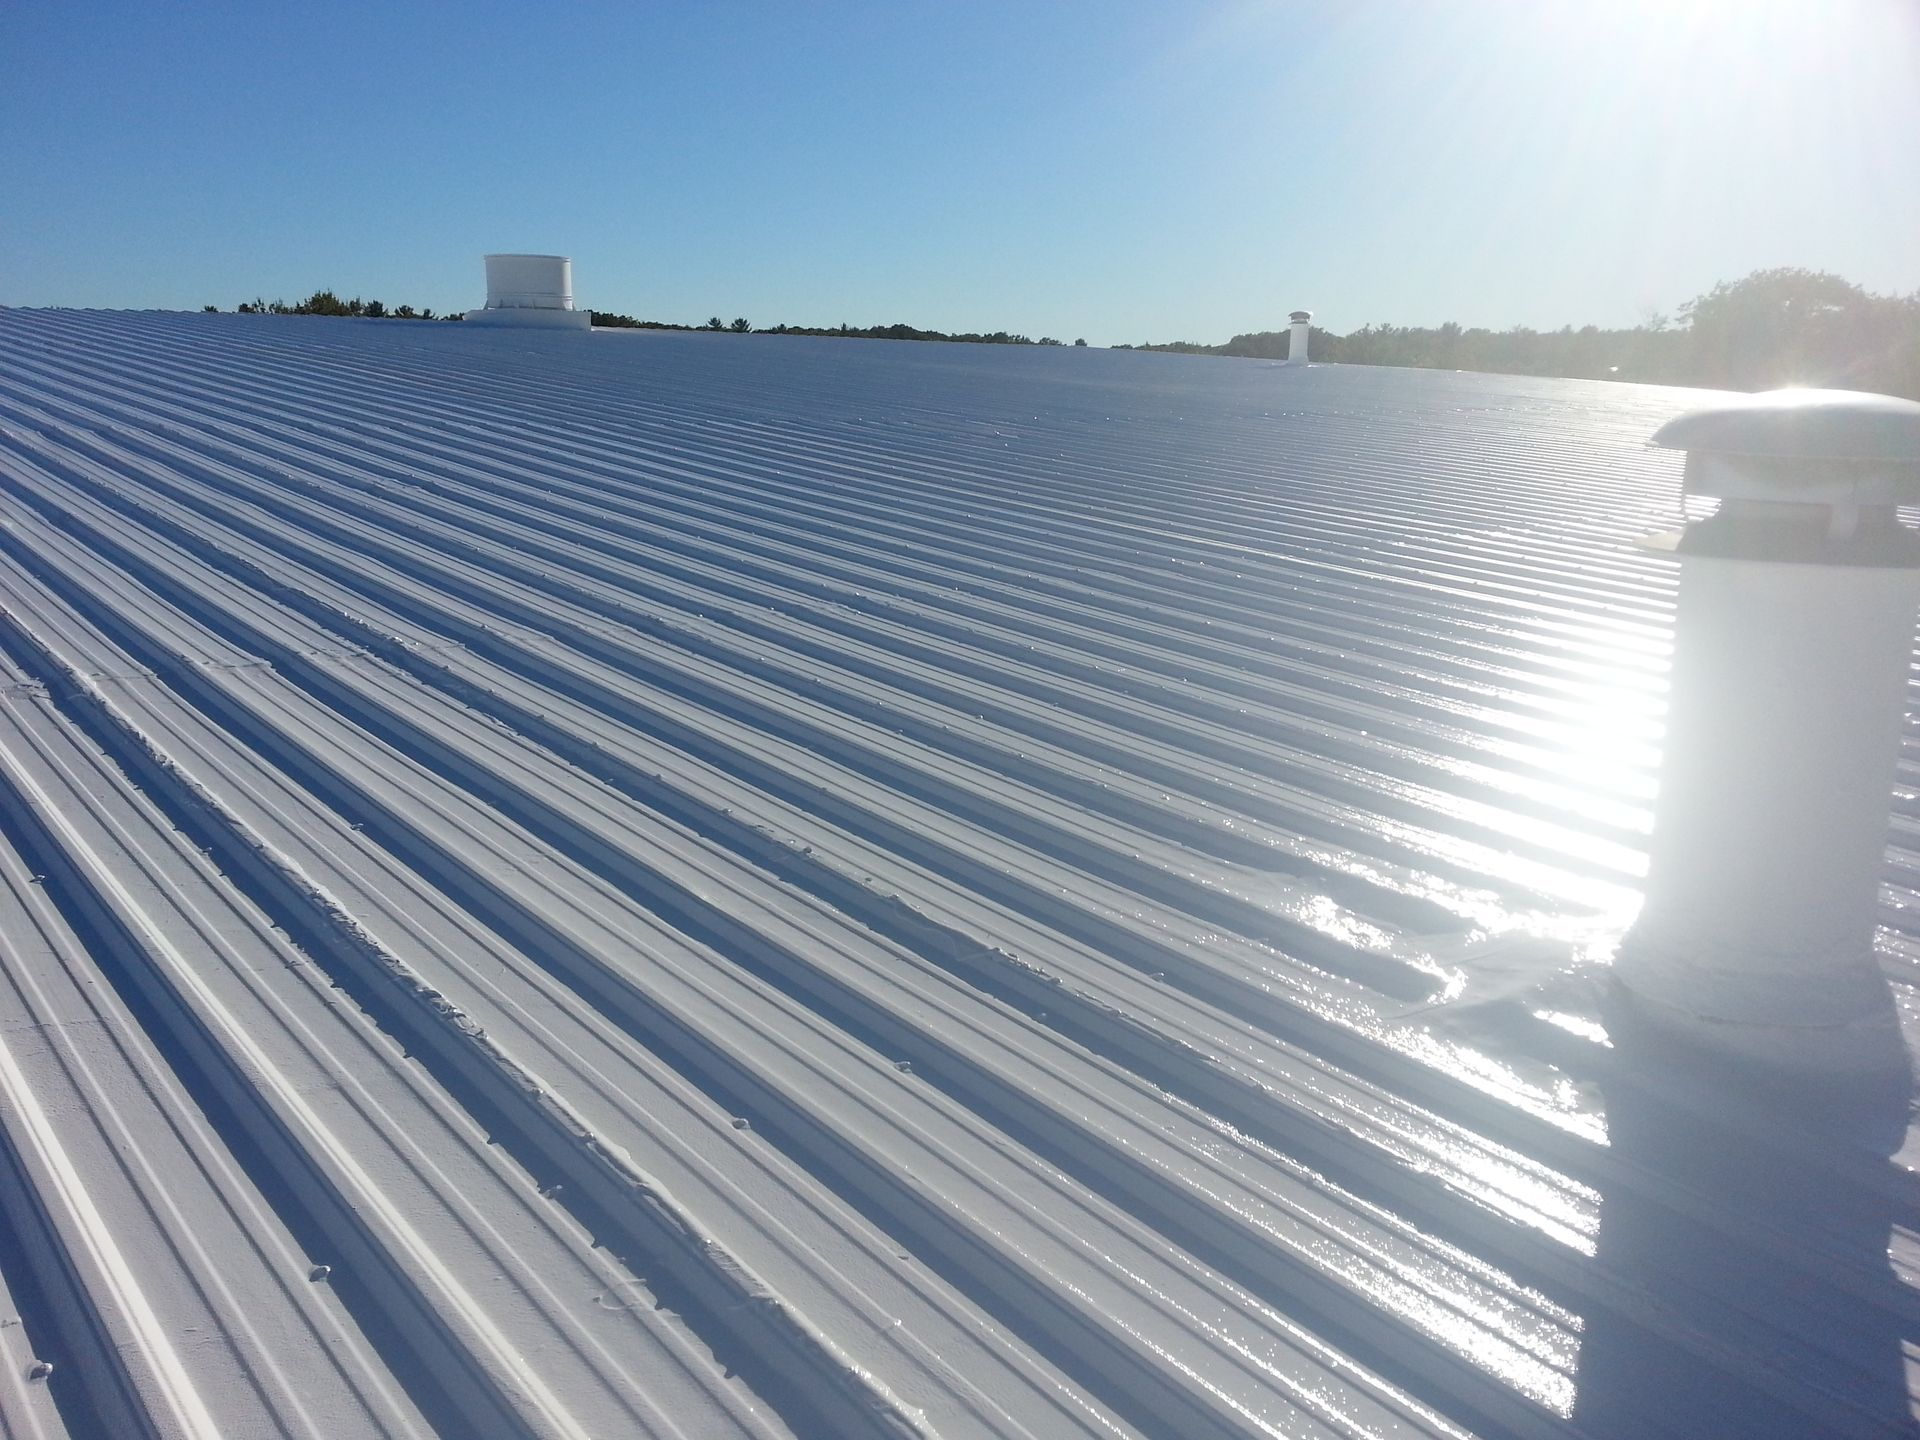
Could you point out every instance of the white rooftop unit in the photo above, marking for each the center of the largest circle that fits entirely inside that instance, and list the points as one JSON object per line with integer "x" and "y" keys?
{"x": 532, "y": 291}
{"x": 1300, "y": 322}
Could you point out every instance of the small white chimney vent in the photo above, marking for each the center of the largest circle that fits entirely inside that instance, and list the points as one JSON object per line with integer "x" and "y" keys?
{"x": 1793, "y": 639}
{"x": 1297, "y": 337}
{"x": 532, "y": 291}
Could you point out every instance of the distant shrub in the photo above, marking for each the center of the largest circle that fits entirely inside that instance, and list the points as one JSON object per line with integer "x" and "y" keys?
{"x": 325, "y": 302}
{"x": 627, "y": 322}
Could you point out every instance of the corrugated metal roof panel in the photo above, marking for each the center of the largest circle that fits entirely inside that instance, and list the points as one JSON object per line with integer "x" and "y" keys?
{"x": 651, "y": 884}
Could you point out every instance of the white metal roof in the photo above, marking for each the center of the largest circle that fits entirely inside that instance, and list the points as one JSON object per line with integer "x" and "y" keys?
{"x": 659, "y": 884}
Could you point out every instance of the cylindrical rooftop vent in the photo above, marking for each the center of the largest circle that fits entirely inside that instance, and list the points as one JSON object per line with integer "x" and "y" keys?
{"x": 531, "y": 291}
{"x": 1793, "y": 640}
{"x": 1297, "y": 337}
{"x": 529, "y": 282}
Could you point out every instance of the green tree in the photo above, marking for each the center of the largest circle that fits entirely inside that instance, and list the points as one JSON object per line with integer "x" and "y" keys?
{"x": 740, "y": 325}
{"x": 321, "y": 302}
{"x": 1780, "y": 327}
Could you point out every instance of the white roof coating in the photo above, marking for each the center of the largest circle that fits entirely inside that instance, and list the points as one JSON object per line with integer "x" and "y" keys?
{"x": 694, "y": 885}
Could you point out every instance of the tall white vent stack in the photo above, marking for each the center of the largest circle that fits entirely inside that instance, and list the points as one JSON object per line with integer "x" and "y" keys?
{"x": 531, "y": 291}
{"x": 1794, "y": 636}
{"x": 1297, "y": 334}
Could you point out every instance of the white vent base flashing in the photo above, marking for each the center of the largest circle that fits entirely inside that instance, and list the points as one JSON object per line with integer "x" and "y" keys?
{"x": 1861, "y": 1037}
{"x": 531, "y": 318}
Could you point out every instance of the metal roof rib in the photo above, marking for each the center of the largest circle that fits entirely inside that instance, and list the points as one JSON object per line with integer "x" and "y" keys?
{"x": 684, "y": 885}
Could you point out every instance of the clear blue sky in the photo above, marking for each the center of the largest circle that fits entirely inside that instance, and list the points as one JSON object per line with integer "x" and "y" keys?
{"x": 1118, "y": 170}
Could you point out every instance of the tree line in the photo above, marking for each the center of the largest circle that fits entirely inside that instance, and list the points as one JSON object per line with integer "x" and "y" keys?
{"x": 740, "y": 325}
{"x": 909, "y": 332}
{"x": 1774, "y": 327}
{"x": 325, "y": 302}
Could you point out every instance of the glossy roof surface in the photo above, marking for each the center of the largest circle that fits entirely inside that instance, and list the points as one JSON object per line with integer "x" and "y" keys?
{"x": 668, "y": 884}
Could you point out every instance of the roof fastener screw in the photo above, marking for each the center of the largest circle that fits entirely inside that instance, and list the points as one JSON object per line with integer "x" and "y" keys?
{"x": 319, "y": 1272}
{"x": 40, "y": 1370}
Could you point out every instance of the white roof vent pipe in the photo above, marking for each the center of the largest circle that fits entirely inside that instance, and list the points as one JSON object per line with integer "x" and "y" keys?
{"x": 1297, "y": 336}
{"x": 1794, "y": 634}
{"x": 531, "y": 291}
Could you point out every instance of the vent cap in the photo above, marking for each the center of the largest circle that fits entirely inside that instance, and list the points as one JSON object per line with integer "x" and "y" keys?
{"x": 1804, "y": 447}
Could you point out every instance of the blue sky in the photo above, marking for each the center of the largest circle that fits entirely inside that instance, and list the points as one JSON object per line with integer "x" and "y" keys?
{"x": 1122, "y": 171}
